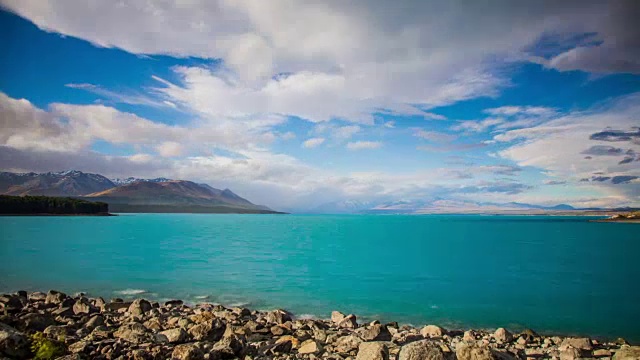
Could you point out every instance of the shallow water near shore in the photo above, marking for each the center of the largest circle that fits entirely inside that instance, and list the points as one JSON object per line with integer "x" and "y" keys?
{"x": 553, "y": 274}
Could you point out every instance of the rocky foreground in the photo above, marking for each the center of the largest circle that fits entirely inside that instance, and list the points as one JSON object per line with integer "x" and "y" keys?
{"x": 54, "y": 325}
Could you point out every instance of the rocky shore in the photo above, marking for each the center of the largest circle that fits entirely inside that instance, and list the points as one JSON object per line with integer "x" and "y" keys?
{"x": 56, "y": 326}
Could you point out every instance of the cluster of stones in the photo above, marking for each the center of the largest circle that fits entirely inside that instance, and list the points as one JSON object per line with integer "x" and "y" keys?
{"x": 92, "y": 328}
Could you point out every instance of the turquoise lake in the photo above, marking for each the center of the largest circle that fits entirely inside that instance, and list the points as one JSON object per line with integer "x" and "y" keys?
{"x": 552, "y": 274}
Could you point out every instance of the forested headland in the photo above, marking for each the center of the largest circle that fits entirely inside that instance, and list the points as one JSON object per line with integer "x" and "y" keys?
{"x": 48, "y": 205}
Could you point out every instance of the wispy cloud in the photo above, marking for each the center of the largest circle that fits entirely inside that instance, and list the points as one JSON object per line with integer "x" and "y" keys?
{"x": 361, "y": 145}
{"x": 313, "y": 142}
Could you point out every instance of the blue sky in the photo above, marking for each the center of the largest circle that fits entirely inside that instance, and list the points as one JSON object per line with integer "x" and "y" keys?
{"x": 297, "y": 104}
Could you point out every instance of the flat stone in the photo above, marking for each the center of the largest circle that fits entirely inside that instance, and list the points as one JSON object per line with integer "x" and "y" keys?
{"x": 310, "y": 347}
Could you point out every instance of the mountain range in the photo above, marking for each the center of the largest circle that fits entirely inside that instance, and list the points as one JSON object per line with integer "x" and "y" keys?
{"x": 130, "y": 194}
{"x": 447, "y": 206}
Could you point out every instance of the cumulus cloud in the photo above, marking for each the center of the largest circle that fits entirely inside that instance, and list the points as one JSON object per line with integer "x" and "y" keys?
{"x": 342, "y": 60}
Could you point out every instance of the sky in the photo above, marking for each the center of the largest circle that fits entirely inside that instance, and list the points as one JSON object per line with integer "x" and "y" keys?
{"x": 295, "y": 104}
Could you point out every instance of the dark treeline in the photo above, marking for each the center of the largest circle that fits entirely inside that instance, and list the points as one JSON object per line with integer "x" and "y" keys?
{"x": 49, "y": 205}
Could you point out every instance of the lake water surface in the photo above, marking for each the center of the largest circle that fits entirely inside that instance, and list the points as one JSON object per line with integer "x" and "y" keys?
{"x": 553, "y": 274}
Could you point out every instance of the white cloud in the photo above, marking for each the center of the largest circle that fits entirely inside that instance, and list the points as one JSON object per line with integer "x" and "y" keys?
{"x": 344, "y": 60}
{"x": 477, "y": 126}
{"x": 313, "y": 142}
{"x": 559, "y": 146}
{"x": 360, "y": 145}
{"x": 520, "y": 110}
{"x": 170, "y": 149}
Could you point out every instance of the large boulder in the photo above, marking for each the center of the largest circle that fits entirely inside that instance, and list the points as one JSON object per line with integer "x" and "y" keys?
{"x": 372, "y": 351}
{"x": 37, "y": 296}
{"x": 187, "y": 352}
{"x": 175, "y": 335}
{"x": 348, "y": 322}
{"x": 431, "y": 331}
{"x": 627, "y": 353}
{"x": 375, "y": 332}
{"x": 232, "y": 345}
{"x": 139, "y": 307}
{"x": 337, "y": 316}
{"x": 578, "y": 343}
{"x": 278, "y": 316}
{"x": 211, "y": 330}
{"x": 13, "y": 343}
{"x": 94, "y": 321}
{"x": 347, "y": 344}
{"x": 83, "y": 306}
{"x": 473, "y": 351}
{"x": 421, "y": 350}
{"x": 36, "y": 321}
{"x": 55, "y": 297}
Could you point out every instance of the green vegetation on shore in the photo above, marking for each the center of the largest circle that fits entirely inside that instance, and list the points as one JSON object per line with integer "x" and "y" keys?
{"x": 35, "y": 205}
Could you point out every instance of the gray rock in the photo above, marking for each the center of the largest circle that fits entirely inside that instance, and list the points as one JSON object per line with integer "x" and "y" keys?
{"x": 473, "y": 351}
{"x": 570, "y": 353}
{"x": 347, "y": 344}
{"x": 98, "y": 302}
{"x": 310, "y": 347}
{"x": 12, "y": 342}
{"x": 278, "y": 316}
{"x": 56, "y": 331}
{"x": 82, "y": 306}
{"x": 231, "y": 345}
{"x": 469, "y": 335}
{"x": 134, "y": 333}
{"x": 212, "y": 330}
{"x": 139, "y": 307}
{"x": 115, "y": 306}
{"x": 627, "y": 353}
{"x": 578, "y": 343}
{"x": 36, "y": 321}
{"x": 430, "y": 331}
{"x": 55, "y": 297}
{"x": 63, "y": 311}
{"x": 374, "y": 332}
{"x": 502, "y": 335}
{"x": 421, "y": 350}
{"x": 173, "y": 303}
{"x": 176, "y": 335}
{"x": 79, "y": 347}
{"x": 337, "y": 316}
{"x": 37, "y": 296}
{"x": 94, "y": 321}
{"x": 348, "y": 322}
{"x": 372, "y": 351}
{"x": 187, "y": 352}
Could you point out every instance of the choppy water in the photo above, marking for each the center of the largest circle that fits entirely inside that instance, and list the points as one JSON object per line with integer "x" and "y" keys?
{"x": 552, "y": 274}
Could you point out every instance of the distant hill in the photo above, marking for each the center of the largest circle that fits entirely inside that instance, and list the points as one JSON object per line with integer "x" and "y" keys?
{"x": 65, "y": 183}
{"x": 434, "y": 206}
{"x": 130, "y": 194}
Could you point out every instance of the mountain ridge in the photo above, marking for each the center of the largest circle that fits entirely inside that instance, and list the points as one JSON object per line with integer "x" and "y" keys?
{"x": 149, "y": 195}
